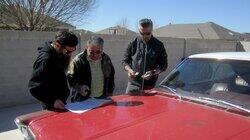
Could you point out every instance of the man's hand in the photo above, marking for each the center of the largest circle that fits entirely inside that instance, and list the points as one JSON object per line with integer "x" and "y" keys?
{"x": 84, "y": 90}
{"x": 157, "y": 71}
{"x": 147, "y": 75}
{"x": 58, "y": 104}
{"x": 131, "y": 74}
{"x": 151, "y": 73}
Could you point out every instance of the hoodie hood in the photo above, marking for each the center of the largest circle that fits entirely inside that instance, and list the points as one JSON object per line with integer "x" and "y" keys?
{"x": 46, "y": 47}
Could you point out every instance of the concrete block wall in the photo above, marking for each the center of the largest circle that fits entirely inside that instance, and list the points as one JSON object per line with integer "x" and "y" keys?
{"x": 17, "y": 54}
{"x": 195, "y": 46}
{"x": 18, "y": 51}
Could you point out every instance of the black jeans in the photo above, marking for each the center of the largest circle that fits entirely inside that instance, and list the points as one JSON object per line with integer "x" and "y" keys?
{"x": 133, "y": 88}
{"x": 47, "y": 107}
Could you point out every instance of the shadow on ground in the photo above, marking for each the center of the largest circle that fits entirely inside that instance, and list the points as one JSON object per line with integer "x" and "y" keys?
{"x": 7, "y": 115}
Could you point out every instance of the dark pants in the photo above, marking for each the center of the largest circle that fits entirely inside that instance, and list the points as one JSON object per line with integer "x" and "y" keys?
{"x": 133, "y": 88}
{"x": 46, "y": 106}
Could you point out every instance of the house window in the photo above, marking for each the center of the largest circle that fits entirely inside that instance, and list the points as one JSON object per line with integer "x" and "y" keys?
{"x": 113, "y": 31}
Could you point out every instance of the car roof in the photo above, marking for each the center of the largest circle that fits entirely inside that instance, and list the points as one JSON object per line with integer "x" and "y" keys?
{"x": 224, "y": 55}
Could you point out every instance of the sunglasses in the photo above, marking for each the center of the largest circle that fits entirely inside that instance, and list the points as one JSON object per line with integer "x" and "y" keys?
{"x": 145, "y": 25}
{"x": 69, "y": 51}
{"x": 145, "y": 33}
{"x": 98, "y": 52}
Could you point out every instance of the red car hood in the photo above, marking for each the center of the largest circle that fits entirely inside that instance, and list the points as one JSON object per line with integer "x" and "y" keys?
{"x": 144, "y": 117}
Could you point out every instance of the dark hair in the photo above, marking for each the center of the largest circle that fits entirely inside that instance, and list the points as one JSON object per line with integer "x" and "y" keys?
{"x": 66, "y": 38}
{"x": 146, "y": 22}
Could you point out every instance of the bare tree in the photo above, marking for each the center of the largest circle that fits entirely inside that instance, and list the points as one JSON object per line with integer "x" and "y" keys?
{"x": 124, "y": 22}
{"x": 121, "y": 26}
{"x": 155, "y": 25}
{"x": 42, "y": 15}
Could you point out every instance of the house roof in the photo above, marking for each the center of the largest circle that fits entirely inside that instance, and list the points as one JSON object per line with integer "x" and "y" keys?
{"x": 208, "y": 30}
{"x": 82, "y": 31}
{"x": 246, "y": 36}
{"x": 118, "y": 30}
{"x": 62, "y": 25}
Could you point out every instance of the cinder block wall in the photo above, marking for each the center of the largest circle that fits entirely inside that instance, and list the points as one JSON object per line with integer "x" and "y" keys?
{"x": 18, "y": 50}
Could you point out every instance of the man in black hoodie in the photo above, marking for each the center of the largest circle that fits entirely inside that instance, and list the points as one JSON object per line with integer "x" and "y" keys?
{"x": 48, "y": 82}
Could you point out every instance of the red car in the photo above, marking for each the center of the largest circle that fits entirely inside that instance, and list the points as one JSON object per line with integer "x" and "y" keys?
{"x": 206, "y": 97}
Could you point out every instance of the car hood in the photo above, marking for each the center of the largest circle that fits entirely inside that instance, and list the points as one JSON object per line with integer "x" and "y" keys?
{"x": 144, "y": 117}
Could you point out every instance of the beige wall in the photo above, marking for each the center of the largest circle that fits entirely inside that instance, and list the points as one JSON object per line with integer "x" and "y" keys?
{"x": 18, "y": 51}
{"x": 194, "y": 46}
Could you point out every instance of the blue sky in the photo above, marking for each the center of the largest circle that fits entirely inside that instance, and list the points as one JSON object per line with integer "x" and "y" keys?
{"x": 232, "y": 14}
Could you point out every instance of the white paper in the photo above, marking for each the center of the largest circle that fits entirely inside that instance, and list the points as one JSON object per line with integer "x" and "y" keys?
{"x": 86, "y": 105}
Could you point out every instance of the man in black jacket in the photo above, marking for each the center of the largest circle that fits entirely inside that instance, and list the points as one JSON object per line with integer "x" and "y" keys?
{"x": 144, "y": 59}
{"x": 48, "y": 82}
{"x": 91, "y": 73}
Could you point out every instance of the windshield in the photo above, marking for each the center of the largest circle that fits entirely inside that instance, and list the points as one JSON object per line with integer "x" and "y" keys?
{"x": 226, "y": 80}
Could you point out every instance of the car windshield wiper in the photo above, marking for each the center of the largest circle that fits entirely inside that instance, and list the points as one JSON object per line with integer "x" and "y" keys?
{"x": 225, "y": 103}
{"x": 172, "y": 90}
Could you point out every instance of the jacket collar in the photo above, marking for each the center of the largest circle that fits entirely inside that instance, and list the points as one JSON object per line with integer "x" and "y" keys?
{"x": 86, "y": 56}
{"x": 140, "y": 39}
